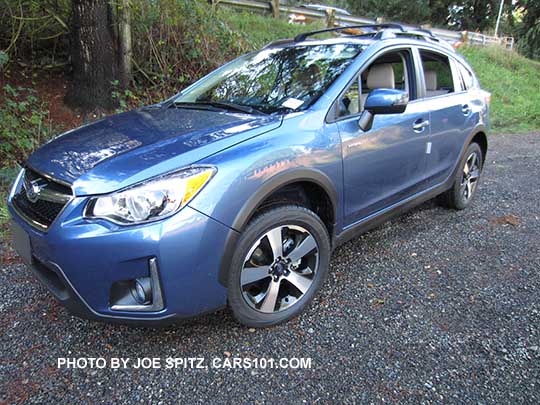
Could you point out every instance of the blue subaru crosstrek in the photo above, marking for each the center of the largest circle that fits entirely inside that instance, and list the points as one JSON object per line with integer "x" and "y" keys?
{"x": 235, "y": 191}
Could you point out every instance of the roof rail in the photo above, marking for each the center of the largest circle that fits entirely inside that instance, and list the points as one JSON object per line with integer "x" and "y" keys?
{"x": 420, "y": 33}
{"x": 406, "y": 31}
{"x": 376, "y": 27}
{"x": 412, "y": 32}
{"x": 421, "y": 30}
{"x": 278, "y": 42}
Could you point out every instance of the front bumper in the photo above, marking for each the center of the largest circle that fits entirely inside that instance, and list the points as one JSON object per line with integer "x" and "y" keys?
{"x": 79, "y": 260}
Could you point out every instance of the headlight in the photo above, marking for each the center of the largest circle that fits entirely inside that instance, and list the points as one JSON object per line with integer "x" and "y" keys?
{"x": 152, "y": 200}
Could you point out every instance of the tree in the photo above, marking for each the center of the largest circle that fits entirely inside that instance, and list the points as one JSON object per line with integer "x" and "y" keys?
{"x": 475, "y": 15}
{"x": 124, "y": 46}
{"x": 529, "y": 32}
{"x": 92, "y": 55}
{"x": 471, "y": 15}
{"x": 415, "y": 12}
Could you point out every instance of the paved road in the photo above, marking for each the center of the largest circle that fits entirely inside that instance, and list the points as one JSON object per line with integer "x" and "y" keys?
{"x": 435, "y": 306}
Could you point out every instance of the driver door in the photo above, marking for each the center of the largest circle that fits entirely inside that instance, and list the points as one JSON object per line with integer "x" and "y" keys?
{"x": 385, "y": 164}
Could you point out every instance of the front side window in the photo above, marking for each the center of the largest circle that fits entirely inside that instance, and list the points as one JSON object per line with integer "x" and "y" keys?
{"x": 391, "y": 70}
{"x": 349, "y": 102}
{"x": 274, "y": 79}
{"x": 437, "y": 74}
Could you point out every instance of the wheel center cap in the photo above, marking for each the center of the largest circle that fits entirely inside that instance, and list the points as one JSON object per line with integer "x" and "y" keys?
{"x": 280, "y": 268}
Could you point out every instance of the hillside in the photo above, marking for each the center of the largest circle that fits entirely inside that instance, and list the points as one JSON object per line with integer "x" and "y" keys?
{"x": 514, "y": 83}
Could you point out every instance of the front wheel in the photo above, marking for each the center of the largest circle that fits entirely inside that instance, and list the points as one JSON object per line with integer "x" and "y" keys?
{"x": 466, "y": 181}
{"x": 280, "y": 263}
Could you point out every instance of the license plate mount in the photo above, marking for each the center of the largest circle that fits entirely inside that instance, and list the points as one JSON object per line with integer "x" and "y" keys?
{"x": 21, "y": 242}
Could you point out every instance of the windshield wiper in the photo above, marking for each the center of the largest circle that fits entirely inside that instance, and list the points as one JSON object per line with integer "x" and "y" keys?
{"x": 224, "y": 106}
{"x": 195, "y": 106}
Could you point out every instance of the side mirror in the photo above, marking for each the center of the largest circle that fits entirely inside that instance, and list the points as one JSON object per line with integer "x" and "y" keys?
{"x": 382, "y": 101}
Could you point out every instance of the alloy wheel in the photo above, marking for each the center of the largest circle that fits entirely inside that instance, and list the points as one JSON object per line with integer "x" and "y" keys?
{"x": 279, "y": 268}
{"x": 471, "y": 173}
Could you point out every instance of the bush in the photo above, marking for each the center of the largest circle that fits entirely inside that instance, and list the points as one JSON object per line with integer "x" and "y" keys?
{"x": 35, "y": 31}
{"x": 178, "y": 41}
{"x": 24, "y": 124}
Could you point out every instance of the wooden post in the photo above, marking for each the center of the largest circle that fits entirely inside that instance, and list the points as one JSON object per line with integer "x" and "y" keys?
{"x": 274, "y": 6}
{"x": 330, "y": 18}
{"x": 214, "y": 4}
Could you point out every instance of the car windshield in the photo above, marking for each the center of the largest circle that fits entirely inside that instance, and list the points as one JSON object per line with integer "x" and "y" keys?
{"x": 272, "y": 80}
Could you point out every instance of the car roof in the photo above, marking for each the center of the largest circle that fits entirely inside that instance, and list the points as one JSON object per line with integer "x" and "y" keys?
{"x": 376, "y": 33}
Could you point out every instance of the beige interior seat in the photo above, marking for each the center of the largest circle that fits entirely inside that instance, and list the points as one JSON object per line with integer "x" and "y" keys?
{"x": 431, "y": 84}
{"x": 379, "y": 77}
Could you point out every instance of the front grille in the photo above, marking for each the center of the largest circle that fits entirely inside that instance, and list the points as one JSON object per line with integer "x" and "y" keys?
{"x": 41, "y": 207}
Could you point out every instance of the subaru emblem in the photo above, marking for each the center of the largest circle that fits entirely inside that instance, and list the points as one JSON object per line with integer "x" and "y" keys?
{"x": 33, "y": 189}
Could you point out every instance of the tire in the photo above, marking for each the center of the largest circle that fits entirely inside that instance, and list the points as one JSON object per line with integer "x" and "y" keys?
{"x": 271, "y": 282}
{"x": 465, "y": 183}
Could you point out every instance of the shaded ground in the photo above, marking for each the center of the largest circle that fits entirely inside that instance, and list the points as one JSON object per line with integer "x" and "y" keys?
{"x": 50, "y": 88}
{"x": 435, "y": 306}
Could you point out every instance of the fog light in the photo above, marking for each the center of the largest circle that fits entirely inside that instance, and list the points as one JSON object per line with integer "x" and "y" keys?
{"x": 142, "y": 294}
{"x": 142, "y": 291}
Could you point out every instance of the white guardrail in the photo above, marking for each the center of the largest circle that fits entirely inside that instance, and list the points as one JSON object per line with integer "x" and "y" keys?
{"x": 264, "y": 6}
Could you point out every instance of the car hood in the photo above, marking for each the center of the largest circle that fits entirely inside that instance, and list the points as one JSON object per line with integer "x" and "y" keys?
{"x": 123, "y": 149}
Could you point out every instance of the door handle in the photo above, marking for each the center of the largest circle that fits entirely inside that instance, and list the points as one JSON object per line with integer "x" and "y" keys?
{"x": 465, "y": 109}
{"x": 420, "y": 125}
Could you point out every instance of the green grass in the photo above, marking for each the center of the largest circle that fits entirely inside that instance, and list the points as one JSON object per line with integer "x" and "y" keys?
{"x": 514, "y": 84}
{"x": 258, "y": 30}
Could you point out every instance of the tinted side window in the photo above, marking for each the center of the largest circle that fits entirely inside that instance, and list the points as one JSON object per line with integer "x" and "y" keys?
{"x": 466, "y": 76}
{"x": 349, "y": 102}
{"x": 437, "y": 74}
{"x": 391, "y": 70}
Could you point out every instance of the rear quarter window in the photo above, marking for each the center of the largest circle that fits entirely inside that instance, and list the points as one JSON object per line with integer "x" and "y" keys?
{"x": 467, "y": 77}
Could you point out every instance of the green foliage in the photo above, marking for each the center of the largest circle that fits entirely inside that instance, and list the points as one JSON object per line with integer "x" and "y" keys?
{"x": 529, "y": 42}
{"x": 35, "y": 30}
{"x": 463, "y": 15}
{"x": 529, "y": 31}
{"x": 24, "y": 123}
{"x": 125, "y": 98}
{"x": 475, "y": 15}
{"x": 258, "y": 30}
{"x": 513, "y": 82}
{"x": 7, "y": 176}
{"x": 4, "y": 59}
{"x": 178, "y": 41}
{"x": 416, "y": 11}
{"x": 4, "y": 216}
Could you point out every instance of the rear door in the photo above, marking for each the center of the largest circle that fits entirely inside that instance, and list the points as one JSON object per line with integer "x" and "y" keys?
{"x": 451, "y": 112}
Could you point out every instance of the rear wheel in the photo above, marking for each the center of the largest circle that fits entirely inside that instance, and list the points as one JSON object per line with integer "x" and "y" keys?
{"x": 466, "y": 181}
{"x": 279, "y": 265}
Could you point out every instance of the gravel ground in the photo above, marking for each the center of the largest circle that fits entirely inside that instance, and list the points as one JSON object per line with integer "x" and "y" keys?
{"x": 437, "y": 306}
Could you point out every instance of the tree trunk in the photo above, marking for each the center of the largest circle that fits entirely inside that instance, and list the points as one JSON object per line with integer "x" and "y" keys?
{"x": 124, "y": 18}
{"x": 92, "y": 56}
